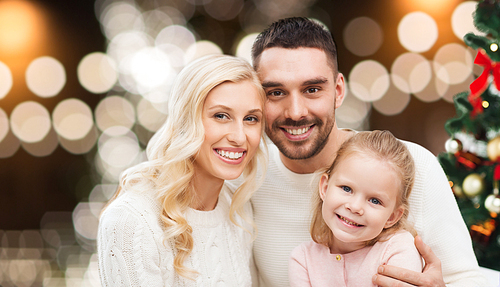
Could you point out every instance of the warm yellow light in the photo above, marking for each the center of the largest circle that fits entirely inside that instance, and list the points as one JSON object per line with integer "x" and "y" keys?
{"x": 486, "y": 104}
{"x": 20, "y": 26}
{"x": 494, "y": 47}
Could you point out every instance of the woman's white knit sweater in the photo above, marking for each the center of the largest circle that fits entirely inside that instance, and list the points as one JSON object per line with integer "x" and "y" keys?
{"x": 132, "y": 250}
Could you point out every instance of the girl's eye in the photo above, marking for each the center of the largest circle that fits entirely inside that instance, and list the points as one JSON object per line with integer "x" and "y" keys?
{"x": 221, "y": 116}
{"x": 375, "y": 201}
{"x": 346, "y": 188}
{"x": 252, "y": 119}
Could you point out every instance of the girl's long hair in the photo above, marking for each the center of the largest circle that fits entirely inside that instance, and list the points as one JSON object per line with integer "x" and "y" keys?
{"x": 169, "y": 169}
{"x": 381, "y": 145}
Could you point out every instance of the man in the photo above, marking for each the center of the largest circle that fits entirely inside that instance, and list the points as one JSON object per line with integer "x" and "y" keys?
{"x": 296, "y": 60}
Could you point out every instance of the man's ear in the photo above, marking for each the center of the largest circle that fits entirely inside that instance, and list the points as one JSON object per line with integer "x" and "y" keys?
{"x": 323, "y": 186}
{"x": 395, "y": 216}
{"x": 340, "y": 90}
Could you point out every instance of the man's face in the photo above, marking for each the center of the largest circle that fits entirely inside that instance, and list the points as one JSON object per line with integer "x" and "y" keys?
{"x": 302, "y": 95}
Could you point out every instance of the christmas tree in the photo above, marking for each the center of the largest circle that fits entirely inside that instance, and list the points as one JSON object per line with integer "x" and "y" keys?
{"x": 472, "y": 157}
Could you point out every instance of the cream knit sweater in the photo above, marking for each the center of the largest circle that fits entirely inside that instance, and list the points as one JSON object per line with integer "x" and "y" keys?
{"x": 132, "y": 251}
{"x": 282, "y": 213}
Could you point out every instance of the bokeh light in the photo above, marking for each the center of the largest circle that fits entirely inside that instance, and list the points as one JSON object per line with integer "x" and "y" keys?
{"x": 45, "y": 77}
{"x": 200, "y": 49}
{"x": 151, "y": 69}
{"x": 119, "y": 151}
{"x": 80, "y": 146}
{"x": 85, "y": 221}
{"x": 44, "y": 147}
{"x": 30, "y": 122}
{"x": 352, "y": 111}
{"x": 417, "y": 32}
{"x": 369, "y": 80}
{"x": 97, "y": 73}
{"x": 224, "y": 10}
{"x": 4, "y": 125}
{"x": 120, "y": 16}
{"x": 462, "y": 21}
{"x": 115, "y": 115}
{"x": 177, "y": 35}
{"x": 149, "y": 116}
{"x": 453, "y": 63}
{"x": 411, "y": 72}
{"x": 244, "y": 48}
{"x": 393, "y": 102}
{"x": 72, "y": 119}
{"x": 363, "y": 36}
{"x": 9, "y": 145}
{"x": 5, "y": 79}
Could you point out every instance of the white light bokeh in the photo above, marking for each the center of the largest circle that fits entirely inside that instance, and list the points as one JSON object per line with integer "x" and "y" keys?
{"x": 5, "y": 79}
{"x": 244, "y": 49}
{"x": 45, "y": 77}
{"x": 411, "y": 72}
{"x": 149, "y": 116}
{"x": 224, "y": 10}
{"x": 4, "y": 125}
{"x": 151, "y": 69}
{"x": 393, "y": 102}
{"x": 120, "y": 16}
{"x": 363, "y": 36}
{"x": 352, "y": 111}
{"x": 9, "y": 145}
{"x": 85, "y": 221}
{"x": 177, "y": 35}
{"x": 44, "y": 147}
{"x": 118, "y": 152}
{"x": 124, "y": 46}
{"x": 30, "y": 122}
{"x": 453, "y": 63}
{"x": 72, "y": 119}
{"x": 417, "y": 32}
{"x": 97, "y": 73}
{"x": 369, "y": 80}
{"x": 433, "y": 91}
{"x": 200, "y": 49}
{"x": 114, "y": 115}
{"x": 80, "y": 146}
{"x": 462, "y": 21}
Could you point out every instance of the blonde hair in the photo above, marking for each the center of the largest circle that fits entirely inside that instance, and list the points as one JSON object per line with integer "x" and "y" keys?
{"x": 381, "y": 145}
{"x": 171, "y": 151}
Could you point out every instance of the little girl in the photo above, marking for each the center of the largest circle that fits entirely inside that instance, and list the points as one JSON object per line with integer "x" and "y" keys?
{"x": 360, "y": 215}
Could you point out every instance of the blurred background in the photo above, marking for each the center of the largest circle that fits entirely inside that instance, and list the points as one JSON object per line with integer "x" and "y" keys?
{"x": 83, "y": 86}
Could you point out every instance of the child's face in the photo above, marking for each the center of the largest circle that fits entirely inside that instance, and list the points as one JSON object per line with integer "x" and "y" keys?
{"x": 359, "y": 200}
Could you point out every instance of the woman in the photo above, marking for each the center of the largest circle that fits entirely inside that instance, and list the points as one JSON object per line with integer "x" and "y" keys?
{"x": 173, "y": 221}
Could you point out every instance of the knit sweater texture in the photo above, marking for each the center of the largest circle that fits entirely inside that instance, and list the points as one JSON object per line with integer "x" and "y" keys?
{"x": 282, "y": 212}
{"x": 132, "y": 250}
{"x": 312, "y": 264}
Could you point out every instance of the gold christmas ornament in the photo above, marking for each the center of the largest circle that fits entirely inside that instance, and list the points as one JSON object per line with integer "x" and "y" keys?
{"x": 473, "y": 185}
{"x": 493, "y": 149}
{"x": 453, "y": 145}
{"x": 492, "y": 203}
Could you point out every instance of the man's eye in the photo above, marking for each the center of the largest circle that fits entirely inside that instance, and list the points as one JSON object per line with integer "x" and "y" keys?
{"x": 275, "y": 94}
{"x": 312, "y": 90}
{"x": 375, "y": 201}
{"x": 346, "y": 188}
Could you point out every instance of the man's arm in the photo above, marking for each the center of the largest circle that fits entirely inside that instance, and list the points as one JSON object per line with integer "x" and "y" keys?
{"x": 430, "y": 276}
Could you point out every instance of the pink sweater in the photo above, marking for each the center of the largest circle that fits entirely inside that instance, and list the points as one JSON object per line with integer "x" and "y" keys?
{"x": 311, "y": 264}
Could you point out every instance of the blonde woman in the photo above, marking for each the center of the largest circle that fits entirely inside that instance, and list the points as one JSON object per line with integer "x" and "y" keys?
{"x": 173, "y": 221}
{"x": 360, "y": 215}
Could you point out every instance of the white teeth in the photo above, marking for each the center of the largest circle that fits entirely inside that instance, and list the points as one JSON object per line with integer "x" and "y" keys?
{"x": 349, "y": 222}
{"x": 298, "y": 131}
{"x": 230, "y": 155}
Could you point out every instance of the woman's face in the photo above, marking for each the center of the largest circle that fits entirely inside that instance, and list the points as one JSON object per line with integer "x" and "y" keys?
{"x": 232, "y": 117}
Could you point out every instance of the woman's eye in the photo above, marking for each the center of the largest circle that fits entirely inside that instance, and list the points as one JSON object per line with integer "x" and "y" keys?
{"x": 221, "y": 116}
{"x": 375, "y": 201}
{"x": 252, "y": 119}
{"x": 346, "y": 188}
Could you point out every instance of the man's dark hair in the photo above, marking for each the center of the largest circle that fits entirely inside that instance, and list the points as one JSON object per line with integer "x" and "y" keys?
{"x": 296, "y": 32}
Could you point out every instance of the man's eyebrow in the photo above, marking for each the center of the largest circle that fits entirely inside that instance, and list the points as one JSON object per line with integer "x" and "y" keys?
{"x": 271, "y": 84}
{"x": 316, "y": 81}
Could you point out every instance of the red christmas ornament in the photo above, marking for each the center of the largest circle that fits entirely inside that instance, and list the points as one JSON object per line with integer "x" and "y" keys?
{"x": 481, "y": 83}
